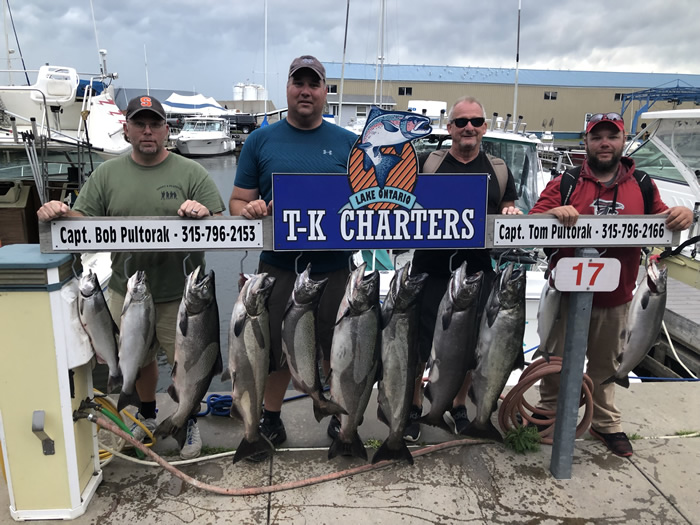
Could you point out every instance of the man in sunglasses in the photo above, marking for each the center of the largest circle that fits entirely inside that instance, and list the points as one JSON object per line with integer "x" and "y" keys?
{"x": 467, "y": 126}
{"x": 606, "y": 185}
{"x": 148, "y": 182}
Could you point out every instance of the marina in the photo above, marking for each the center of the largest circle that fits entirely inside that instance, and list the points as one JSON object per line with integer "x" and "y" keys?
{"x": 652, "y": 475}
{"x": 65, "y": 452}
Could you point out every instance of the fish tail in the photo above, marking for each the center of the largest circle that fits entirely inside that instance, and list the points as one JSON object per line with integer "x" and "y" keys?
{"x": 126, "y": 399}
{"x": 114, "y": 382}
{"x": 487, "y": 431}
{"x": 386, "y": 453}
{"x": 435, "y": 421}
{"x": 246, "y": 448}
{"x": 165, "y": 428}
{"x": 325, "y": 407}
{"x": 385, "y": 166}
{"x": 622, "y": 381}
{"x": 355, "y": 449}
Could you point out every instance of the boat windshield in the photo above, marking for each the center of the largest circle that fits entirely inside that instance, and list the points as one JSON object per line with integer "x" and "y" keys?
{"x": 520, "y": 156}
{"x": 203, "y": 125}
{"x": 678, "y": 138}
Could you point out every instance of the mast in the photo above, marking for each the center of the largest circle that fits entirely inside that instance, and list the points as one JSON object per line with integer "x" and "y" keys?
{"x": 265, "y": 63}
{"x": 342, "y": 68}
{"x": 517, "y": 64}
{"x": 10, "y": 51}
{"x": 145, "y": 63}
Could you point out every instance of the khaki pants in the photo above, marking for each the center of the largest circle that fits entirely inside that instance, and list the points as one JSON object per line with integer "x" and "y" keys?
{"x": 605, "y": 338}
{"x": 166, "y": 322}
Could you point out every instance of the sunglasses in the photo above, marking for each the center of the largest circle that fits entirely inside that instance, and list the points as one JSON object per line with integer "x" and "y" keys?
{"x": 462, "y": 122}
{"x": 604, "y": 116}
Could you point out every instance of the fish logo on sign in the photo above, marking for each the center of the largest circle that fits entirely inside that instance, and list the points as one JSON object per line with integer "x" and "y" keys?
{"x": 383, "y": 166}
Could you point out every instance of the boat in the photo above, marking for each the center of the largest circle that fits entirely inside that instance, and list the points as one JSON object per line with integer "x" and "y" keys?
{"x": 668, "y": 150}
{"x": 205, "y": 136}
{"x": 516, "y": 148}
{"x": 51, "y": 112}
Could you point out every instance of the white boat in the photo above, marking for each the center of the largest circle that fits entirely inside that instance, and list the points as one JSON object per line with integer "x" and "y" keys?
{"x": 517, "y": 149}
{"x": 205, "y": 136}
{"x": 670, "y": 154}
{"x": 53, "y": 108}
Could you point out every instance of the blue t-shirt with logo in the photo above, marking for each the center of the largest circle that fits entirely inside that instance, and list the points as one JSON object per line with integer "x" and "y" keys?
{"x": 282, "y": 148}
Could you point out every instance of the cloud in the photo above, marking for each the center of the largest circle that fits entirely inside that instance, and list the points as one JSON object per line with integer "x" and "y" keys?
{"x": 210, "y": 45}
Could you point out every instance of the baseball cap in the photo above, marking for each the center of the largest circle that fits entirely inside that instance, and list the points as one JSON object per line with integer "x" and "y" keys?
{"x": 309, "y": 62}
{"x": 144, "y": 103}
{"x": 613, "y": 118}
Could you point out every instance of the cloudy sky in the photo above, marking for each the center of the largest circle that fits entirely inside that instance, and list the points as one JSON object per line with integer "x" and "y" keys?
{"x": 210, "y": 45}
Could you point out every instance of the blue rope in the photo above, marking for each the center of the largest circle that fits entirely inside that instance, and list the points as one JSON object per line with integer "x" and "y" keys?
{"x": 688, "y": 379}
{"x": 220, "y": 405}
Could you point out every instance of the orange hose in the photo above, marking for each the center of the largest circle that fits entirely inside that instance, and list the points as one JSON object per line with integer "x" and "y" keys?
{"x": 256, "y": 491}
{"x": 514, "y": 403}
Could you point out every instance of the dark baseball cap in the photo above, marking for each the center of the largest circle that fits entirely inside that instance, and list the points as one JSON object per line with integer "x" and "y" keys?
{"x": 309, "y": 62}
{"x": 144, "y": 103}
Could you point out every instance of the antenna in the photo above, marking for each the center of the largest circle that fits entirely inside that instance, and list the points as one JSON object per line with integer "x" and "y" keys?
{"x": 517, "y": 64}
{"x": 145, "y": 63}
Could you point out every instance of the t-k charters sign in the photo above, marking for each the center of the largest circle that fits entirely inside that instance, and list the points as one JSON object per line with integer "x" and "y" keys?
{"x": 382, "y": 201}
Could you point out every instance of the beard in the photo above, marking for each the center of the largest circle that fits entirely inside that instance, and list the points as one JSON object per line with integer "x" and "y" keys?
{"x": 604, "y": 166}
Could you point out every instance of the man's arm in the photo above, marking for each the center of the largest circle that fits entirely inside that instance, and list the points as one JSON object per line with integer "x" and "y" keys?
{"x": 246, "y": 203}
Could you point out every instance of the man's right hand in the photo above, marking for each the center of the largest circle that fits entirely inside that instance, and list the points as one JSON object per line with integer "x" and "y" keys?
{"x": 567, "y": 215}
{"x": 52, "y": 210}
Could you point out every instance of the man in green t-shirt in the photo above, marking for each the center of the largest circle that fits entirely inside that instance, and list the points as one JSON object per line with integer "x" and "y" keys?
{"x": 148, "y": 182}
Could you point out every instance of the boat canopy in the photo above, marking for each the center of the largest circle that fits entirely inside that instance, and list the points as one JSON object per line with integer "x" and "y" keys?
{"x": 192, "y": 105}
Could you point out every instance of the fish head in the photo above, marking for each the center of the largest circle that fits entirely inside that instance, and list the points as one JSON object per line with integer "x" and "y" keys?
{"x": 407, "y": 289}
{"x": 306, "y": 290}
{"x": 88, "y": 284}
{"x": 657, "y": 277}
{"x": 415, "y": 126}
{"x": 137, "y": 286}
{"x": 387, "y": 128}
{"x": 511, "y": 286}
{"x": 362, "y": 292}
{"x": 255, "y": 293}
{"x": 200, "y": 290}
{"x": 464, "y": 289}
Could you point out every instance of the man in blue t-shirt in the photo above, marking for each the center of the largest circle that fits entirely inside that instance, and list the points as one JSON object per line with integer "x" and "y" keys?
{"x": 302, "y": 143}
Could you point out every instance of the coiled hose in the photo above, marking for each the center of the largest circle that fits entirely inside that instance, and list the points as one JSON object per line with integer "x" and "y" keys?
{"x": 516, "y": 411}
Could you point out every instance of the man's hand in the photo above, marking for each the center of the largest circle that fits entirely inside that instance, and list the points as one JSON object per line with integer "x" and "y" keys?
{"x": 567, "y": 215}
{"x": 256, "y": 209}
{"x": 193, "y": 209}
{"x": 52, "y": 210}
{"x": 511, "y": 210}
{"x": 678, "y": 218}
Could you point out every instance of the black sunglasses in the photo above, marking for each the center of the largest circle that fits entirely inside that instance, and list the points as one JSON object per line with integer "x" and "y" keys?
{"x": 605, "y": 116}
{"x": 462, "y": 122}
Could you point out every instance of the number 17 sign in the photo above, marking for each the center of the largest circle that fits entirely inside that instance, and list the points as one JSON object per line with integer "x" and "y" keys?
{"x": 585, "y": 274}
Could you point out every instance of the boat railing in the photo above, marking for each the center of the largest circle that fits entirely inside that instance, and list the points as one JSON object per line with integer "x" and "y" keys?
{"x": 44, "y": 127}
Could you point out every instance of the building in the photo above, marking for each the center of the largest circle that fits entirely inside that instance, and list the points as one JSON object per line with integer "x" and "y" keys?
{"x": 554, "y": 100}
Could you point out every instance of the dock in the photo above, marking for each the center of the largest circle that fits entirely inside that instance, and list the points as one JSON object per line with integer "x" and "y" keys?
{"x": 472, "y": 483}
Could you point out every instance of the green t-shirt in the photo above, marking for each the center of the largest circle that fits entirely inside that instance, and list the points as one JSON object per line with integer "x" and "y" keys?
{"x": 121, "y": 188}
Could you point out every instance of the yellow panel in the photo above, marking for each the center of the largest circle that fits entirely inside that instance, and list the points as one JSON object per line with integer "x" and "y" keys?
{"x": 83, "y": 428}
{"x": 29, "y": 382}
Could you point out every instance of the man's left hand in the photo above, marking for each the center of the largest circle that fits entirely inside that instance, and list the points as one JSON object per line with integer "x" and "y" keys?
{"x": 678, "y": 218}
{"x": 511, "y": 210}
{"x": 193, "y": 209}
